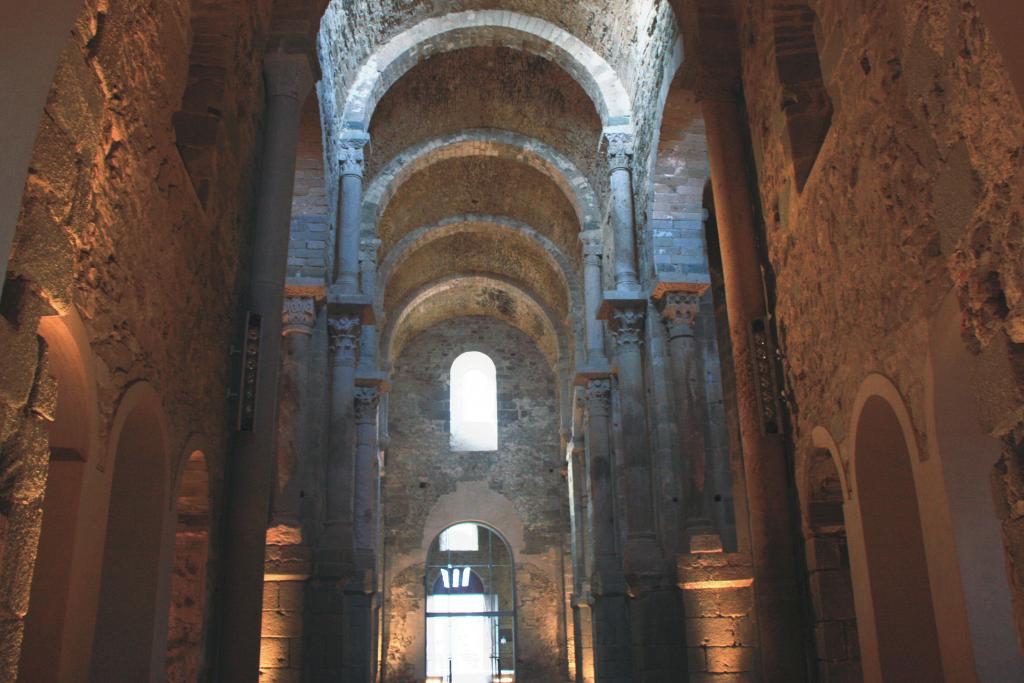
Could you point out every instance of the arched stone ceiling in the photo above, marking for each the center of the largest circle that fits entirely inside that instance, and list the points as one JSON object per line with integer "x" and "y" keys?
{"x": 623, "y": 32}
{"x": 483, "y": 142}
{"x": 484, "y": 245}
{"x": 497, "y": 88}
{"x": 439, "y": 34}
{"x": 469, "y": 295}
{"x": 481, "y": 185}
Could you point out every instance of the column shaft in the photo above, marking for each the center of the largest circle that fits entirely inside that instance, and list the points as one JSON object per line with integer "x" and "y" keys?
{"x": 666, "y": 446}
{"x": 367, "y": 399}
{"x": 299, "y": 319}
{"x": 360, "y": 606}
{"x": 610, "y": 616}
{"x": 346, "y": 261}
{"x": 627, "y": 326}
{"x": 771, "y": 528}
{"x": 289, "y": 79}
{"x": 368, "y": 280}
{"x": 680, "y": 311}
{"x": 620, "y": 156}
{"x": 593, "y": 248}
{"x": 336, "y": 542}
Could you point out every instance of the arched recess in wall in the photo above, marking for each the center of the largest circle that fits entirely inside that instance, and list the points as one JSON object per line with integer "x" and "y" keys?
{"x": 823, "y": 499}
{"x": 131, "y": 622}
{"x": 186, "y": 618}
{"x": 901, "y": 642}
{"x": 966, "y": 454}
{"x": 53, "y": 634}
{"x": 806, "y": 104}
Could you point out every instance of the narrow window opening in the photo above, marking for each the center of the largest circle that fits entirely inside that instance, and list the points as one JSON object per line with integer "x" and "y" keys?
{"x": 474, "y": 403}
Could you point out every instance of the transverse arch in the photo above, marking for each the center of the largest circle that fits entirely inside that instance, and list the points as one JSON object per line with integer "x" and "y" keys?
{"x": 483, "y": 28}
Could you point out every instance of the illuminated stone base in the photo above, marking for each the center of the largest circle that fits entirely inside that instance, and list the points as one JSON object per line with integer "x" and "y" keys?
{"x": 281, "y": 633}
{"x": 718, "y": 602}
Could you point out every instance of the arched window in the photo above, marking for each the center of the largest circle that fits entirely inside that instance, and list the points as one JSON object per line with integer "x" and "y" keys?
{"x": 471, "y": 611}
{"x": 474, "y": 403}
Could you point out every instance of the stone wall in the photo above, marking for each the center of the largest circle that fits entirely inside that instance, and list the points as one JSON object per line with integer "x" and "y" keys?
{"x": 112, "y": 232}
{"x": 518, "y": 489}
{"x": 310, "y": 249}
{"x": 636, "y": 39}
{"x": 915, "y": 192}
{"x": 680, "y": 173}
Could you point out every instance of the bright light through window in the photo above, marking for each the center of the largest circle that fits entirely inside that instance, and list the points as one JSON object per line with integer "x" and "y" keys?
{"x": 474, "y": 403}
{"x": 461, "y": 537}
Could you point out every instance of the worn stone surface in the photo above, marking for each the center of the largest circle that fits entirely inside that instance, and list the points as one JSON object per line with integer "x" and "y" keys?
{"x": 916, "y": 190}
{"x": 112, "y": 229}
{"x": 423, "y": 472}
{"x": 886, "y": 151}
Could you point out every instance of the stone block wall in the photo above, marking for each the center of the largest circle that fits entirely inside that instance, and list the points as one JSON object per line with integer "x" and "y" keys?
{"x": 112, "y": 232}
{"x": 914, "y": 195}
{"x": 518, "y": 489}
{"x": 281, "y": 656}
{"x": 835, "y": 628}
{"x": 680, "y": 173}
{"x": 720, "y": 628}
{"x": 311, "y": 243}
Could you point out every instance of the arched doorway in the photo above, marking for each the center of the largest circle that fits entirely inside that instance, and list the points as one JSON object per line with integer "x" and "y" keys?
{"x": 470, "y": 613}
{"x": 56, "y": 634}
{"x": 904, "y": 625}
{"x": 131, "y": 619}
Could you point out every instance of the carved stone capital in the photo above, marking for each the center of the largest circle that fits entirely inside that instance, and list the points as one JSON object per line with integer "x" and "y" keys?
{"x": 679, "y": 310}
{"x": 599, "y": 394}
{"x": 288, "y": 75}
{"x": 299, "y": 316}
{"x": 368, "y": 248}
{"x": 343, "y": 338}
{"x": 593, "y": 246}
{"x": 352, "y": 161}
{"x": 628, "y": 327}
{"x": 367, "y": 399}
{"x": 620, "y": 150}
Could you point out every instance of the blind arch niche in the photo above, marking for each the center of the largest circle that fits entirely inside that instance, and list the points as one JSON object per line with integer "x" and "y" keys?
{"x": 474, "y": 403}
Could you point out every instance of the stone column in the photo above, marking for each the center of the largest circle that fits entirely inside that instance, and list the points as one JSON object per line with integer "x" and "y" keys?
{"x": 366, "y": 402}
{"x": 582, "y": 556}
{"x": 610, "y": 613}
{"x": 368, "y": 279}
{"x": 620, "y": 161}
{"x": 666, "y": 446}
{"x": 679, "y": 310}
{"x": 336, "y": 540}
{"x": 350, "y": 198}
{"x": 593, "y": 250}
{"x": 298, "y": 320}
{"x": 360, "y": 613}
{"x": 564, "y": 377}
{"x": 642, "y": 553}
{"x": 289, "y": 78}
{"x": 772, "y": 528}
